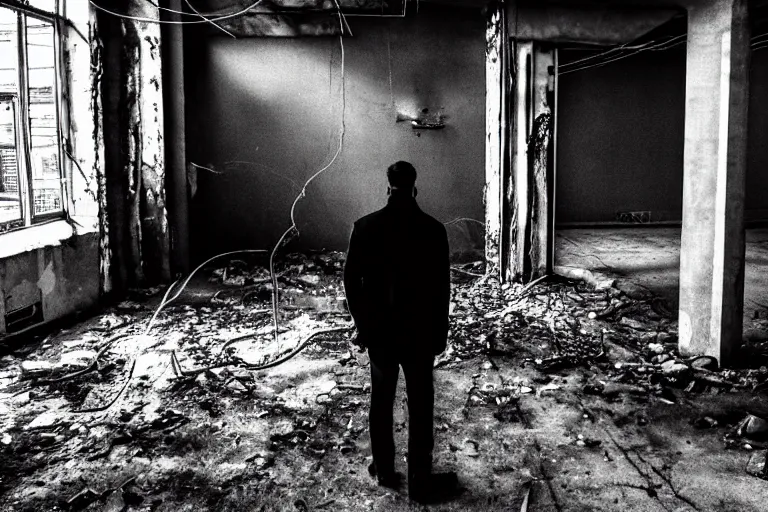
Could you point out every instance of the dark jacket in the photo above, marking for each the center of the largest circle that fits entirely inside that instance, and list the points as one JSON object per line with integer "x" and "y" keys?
{"x": 397, "y": 279}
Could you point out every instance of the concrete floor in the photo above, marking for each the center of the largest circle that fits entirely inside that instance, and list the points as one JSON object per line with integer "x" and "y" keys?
{"x": 649, "y": 258}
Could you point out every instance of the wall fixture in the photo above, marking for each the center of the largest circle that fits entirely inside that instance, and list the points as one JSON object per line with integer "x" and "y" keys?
{"x": 424, "y": 120}
{"x": 427, "y": 121}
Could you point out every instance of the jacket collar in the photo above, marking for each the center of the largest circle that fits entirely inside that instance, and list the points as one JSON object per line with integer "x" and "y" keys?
{"x": 402, "y": 202}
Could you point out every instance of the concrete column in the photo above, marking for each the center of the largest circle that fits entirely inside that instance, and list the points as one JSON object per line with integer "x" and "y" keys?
{"x": 528, "y": 187}
{"x": 712, "y": 245}
{"x": 141, "y": 103}
{"x": 496, "y": 134}
{"x": 175, "y": 138}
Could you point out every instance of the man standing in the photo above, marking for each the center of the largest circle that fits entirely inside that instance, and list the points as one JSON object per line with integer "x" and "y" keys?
{"x": 397, "y": 282}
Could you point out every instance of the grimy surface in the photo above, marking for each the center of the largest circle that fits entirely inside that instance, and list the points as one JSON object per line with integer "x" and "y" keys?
{"x": 648, "y": 259}
{"x": 571, "y": 396}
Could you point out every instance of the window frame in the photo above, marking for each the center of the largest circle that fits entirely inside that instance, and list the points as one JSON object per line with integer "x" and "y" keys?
{"x": 24, "y": 122}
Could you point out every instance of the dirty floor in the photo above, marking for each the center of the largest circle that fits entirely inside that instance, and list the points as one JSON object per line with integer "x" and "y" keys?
{"x": 554, "y": 397}
{"x": 648, "y": 258}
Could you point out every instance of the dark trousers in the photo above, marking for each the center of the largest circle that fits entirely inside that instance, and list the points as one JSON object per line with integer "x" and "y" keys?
{"x": 385, "y": 368}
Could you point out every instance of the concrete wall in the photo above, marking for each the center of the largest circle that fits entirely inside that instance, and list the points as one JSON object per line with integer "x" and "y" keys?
{"x": 64, "y": 277}
{"x": 276, "y": 104}
{"x": 757, "y": 138}
{"x": 620, "y": 138}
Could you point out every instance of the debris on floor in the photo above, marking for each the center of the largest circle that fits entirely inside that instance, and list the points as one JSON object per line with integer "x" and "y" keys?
{"x": 139, "y": 410}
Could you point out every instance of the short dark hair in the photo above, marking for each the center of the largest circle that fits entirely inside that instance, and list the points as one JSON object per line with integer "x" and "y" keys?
{"x": 401, "y": 175}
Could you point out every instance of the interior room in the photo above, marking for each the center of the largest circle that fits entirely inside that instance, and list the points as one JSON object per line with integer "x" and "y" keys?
{"x": 227, "y": 225}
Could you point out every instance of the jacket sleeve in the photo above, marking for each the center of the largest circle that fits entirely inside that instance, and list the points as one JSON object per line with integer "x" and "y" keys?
{"x": 353, "y": 279}
{"x": 443, "y": 292}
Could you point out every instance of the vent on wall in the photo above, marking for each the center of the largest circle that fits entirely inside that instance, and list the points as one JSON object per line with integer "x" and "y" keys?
{"x": 19, "y": 319}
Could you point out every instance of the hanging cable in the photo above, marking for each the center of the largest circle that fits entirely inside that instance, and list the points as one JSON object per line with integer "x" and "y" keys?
{"x": 607, "y": 57}
{"x": 177, "y": 22}
{"x": 293, "y": 229}
{"x": 756, "y": 42}
{"x": 663, "y": 45}
{"x": 230, "y": 34}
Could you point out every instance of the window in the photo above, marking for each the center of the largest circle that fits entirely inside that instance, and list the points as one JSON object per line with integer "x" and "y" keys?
{"x": 30, "y": 152}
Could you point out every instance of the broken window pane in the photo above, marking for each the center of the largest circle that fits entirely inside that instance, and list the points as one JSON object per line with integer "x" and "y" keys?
{"x": 43, "y": 118}
{"x": 10, "y": 190}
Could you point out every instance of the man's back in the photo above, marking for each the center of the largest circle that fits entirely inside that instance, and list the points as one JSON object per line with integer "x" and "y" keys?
{"x": 397, "y": 278}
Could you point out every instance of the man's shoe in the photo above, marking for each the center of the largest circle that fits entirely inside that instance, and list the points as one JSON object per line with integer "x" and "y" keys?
{"x": 433, "y": 488}
{"x": 391, "y": 479}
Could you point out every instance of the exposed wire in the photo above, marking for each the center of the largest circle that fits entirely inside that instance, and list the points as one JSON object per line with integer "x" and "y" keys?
{"x": 757, "y": 42}
{"x": 82, "y": 173}
{"x": 293, "y": 229}
{"x": 463, "y": 219}
{"x": 193, "y": 164}
{"x": 230, "y": 34}
{"x": 342, "y": 19}
{"x": 184, "y": 284}
{"x": 177, "y": 22}
{"x": 262, "y": 168}
{"x": 389, "y": 69}
{"x": 652, "y": 45}
{"x": 663, "y": 45}
{"x": 619, "y": 48}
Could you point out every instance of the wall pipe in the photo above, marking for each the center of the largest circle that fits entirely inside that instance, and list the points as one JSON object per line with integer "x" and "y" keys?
{"x": 175, "y": 138}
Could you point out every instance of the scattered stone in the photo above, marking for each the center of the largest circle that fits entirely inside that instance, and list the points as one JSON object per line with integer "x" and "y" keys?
{"x": 753, "y": 427}
{"x": 471, "y": 448}
{"x": 664, "y": 338}
{"x": 548, "y": 387}
{"x": 704, "y": 422}
{"x": 704, "y": 363}
{"x": 756, "y": 465}
{"x": 33, "y": 369}
{"x": 129, "y": 305}
{"x": 312, "y": 279}
{"x": 6, "y": 439}
{"x": 613, "y": 389}
{"x": 77, "y": 358}
{"x": 632, "y": 323}
{"x": 673, "y": 368}
{"x": 45, "y": 420}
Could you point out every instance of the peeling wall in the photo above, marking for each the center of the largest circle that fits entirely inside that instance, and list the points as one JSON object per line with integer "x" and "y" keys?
{"x": 266, "y": 113}
{"x": 134, "y": 159}
{"x": 64, "y": 278}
